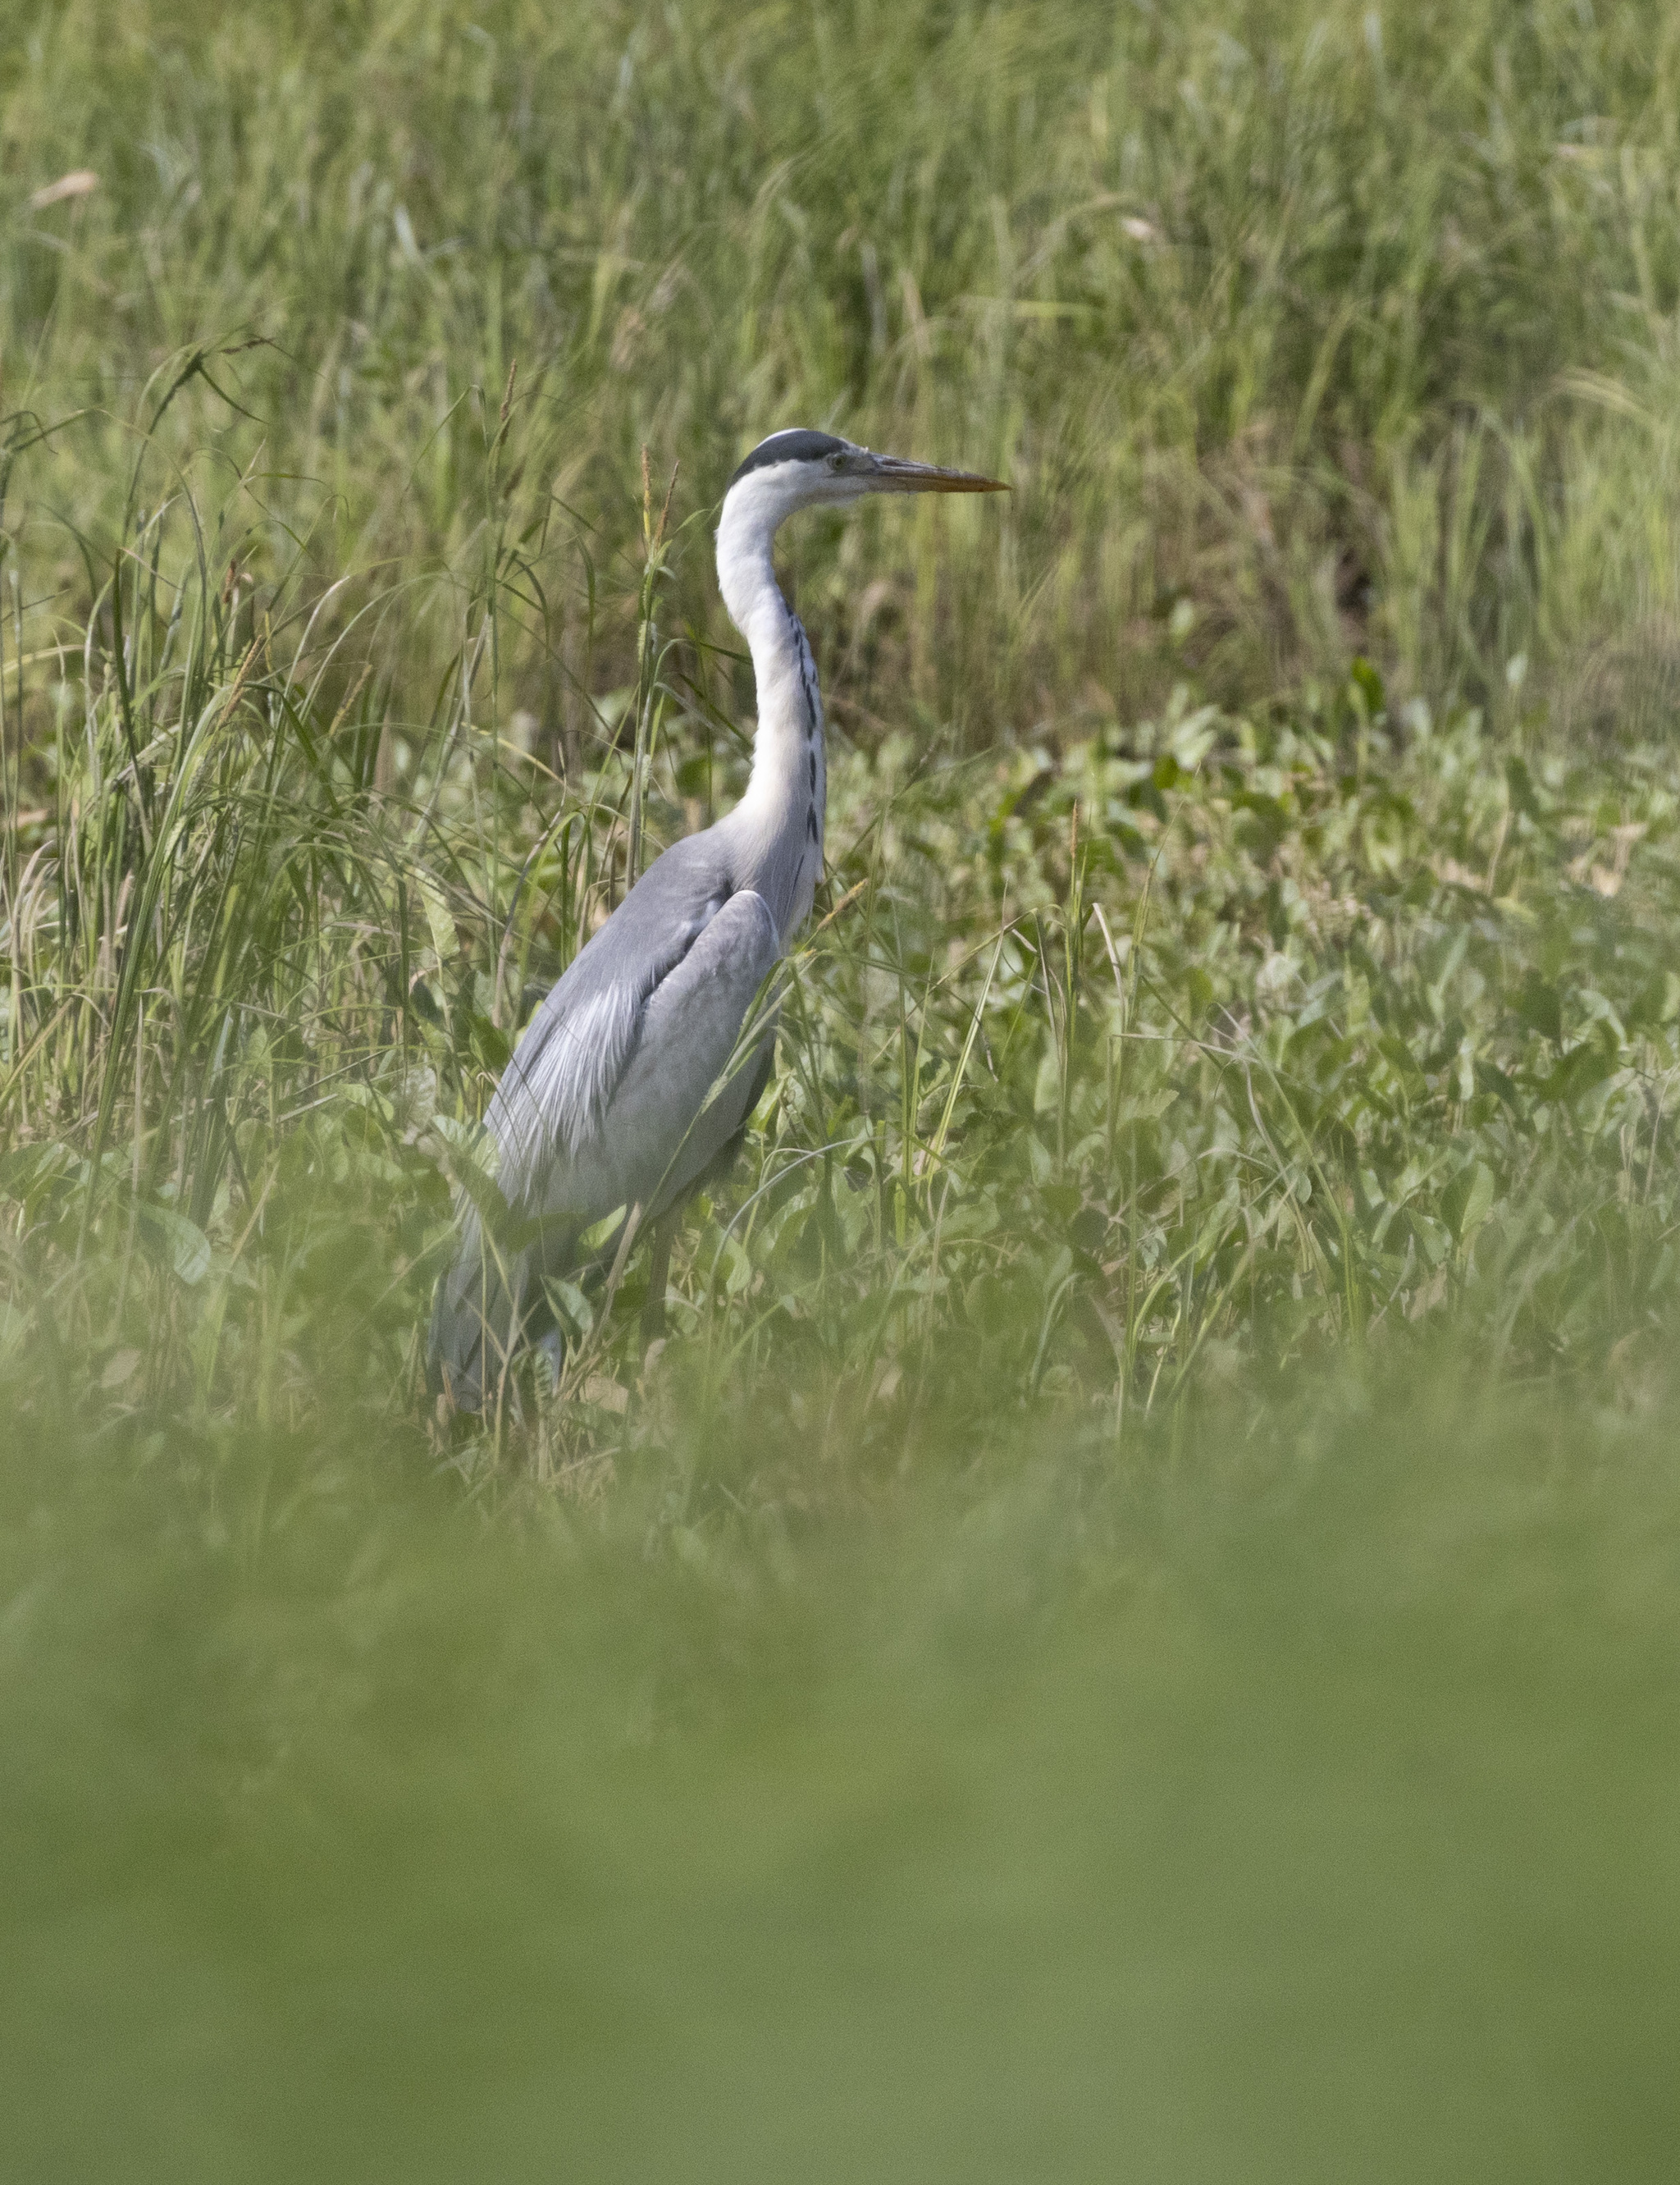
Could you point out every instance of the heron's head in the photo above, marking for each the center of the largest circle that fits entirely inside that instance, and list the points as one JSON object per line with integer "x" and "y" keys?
{"x": 803, "y": 469}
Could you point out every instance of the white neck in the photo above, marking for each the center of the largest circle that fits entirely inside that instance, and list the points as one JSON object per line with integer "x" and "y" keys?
{"x": 778, "y": 823}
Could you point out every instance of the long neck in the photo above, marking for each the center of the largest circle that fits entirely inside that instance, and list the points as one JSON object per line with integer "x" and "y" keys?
{"x": 778, "y": 824}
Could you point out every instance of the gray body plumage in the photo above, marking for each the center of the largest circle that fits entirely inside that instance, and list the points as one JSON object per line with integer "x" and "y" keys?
{"x": 605, "y": 1102}
{"x": 627, "y": 1084}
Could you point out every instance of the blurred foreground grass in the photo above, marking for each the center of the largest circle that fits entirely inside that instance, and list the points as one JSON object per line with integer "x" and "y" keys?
{"x": 1128, "y": 1631}
{"x": 1294, "y": 1802}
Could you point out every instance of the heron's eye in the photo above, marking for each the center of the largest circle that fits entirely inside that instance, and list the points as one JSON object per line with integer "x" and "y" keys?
{"x": 836, "y": 462}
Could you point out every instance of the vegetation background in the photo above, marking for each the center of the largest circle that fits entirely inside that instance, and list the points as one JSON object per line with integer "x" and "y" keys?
{"x": 1130, "y": 1629}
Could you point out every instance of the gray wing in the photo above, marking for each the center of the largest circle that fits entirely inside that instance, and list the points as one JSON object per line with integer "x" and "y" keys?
{"x": 550, "y": 1105}
{"x": 660, "y": 1130}
{"x": 605, "y": 1102}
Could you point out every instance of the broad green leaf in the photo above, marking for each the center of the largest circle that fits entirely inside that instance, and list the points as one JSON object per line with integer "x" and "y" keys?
{"x": 180, "y": 1244}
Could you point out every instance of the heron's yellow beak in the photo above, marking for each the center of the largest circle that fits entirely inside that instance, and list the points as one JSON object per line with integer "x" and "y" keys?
{"x": 897, "y": 474}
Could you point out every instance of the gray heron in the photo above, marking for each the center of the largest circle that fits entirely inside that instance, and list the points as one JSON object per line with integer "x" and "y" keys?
{"x": 612, "y": 1100}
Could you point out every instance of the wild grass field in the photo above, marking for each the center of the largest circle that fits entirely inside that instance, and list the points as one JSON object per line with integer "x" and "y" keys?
{"x": 1129, "y": 1627}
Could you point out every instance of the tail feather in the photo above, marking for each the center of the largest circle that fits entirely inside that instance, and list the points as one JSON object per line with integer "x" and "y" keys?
{"x": 478, "y": 1322}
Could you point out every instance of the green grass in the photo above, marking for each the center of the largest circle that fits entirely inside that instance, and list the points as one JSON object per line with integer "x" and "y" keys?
{"x": 1299, "y": 1807}
{"x": 1127, "y": 1627}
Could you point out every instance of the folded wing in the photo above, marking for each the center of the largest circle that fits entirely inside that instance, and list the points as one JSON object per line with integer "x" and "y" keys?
{"x": 612, "y": 1100}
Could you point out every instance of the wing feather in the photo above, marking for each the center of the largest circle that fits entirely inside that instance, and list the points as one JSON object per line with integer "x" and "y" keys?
{"x": 670, "y": 1113}
{"x": 549, "y": 1107}
{"x": 554, "y": 1091}
{"x": 606, "y": 1099}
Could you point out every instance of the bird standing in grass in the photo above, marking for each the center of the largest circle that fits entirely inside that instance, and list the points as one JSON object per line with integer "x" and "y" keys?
{"x": 613, "y": 1100}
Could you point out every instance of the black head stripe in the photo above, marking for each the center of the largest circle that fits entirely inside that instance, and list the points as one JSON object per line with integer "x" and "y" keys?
{"x": 796, "y": 446}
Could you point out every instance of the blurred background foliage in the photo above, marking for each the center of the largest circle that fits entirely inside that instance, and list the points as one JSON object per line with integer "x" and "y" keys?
{"x": 1152, "y": 1534}
{"x": 1351, "y": 329}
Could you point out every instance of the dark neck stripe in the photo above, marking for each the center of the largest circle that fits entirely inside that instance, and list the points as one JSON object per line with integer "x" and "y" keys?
{"x": 797, "y": 446}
